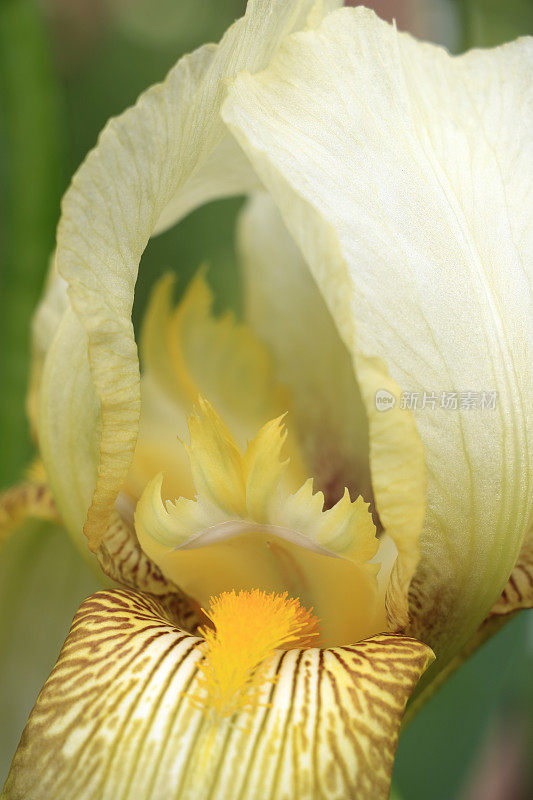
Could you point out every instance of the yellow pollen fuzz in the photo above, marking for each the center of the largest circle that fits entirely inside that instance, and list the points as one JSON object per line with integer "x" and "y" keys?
{"x": 248, "y": 627}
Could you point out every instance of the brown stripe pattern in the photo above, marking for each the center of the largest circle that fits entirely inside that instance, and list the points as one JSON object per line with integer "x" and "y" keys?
{"x": 21, "y": 502}
{"x": 518, "y": 591}
{"x": 122, "y": 559}
{"x": 114, "y": 720}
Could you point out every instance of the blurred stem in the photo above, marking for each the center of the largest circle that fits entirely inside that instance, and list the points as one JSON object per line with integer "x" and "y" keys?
{"x": 463, "y": 14}
{"x": 394, "y": 793}
{"x": 489, "y": 628}
{"x": 31, "y": 176}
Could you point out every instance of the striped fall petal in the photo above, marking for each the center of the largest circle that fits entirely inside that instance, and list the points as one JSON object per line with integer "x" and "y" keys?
{"x": 517, "y": 595}
{"x": 518, "y": 591}
{"x": 27, "y": 500}
{"x": 123, "y": 561}
{"x": 115, "y": 720}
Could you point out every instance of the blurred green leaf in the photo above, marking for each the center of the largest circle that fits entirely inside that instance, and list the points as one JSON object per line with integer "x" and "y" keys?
{"x": 31, "y": 172}
{"x": 183, "y": 24}
{"x": 43, "y": 580}
{"x": 437, "y": 749}
{"x": 487, "y": 23}
{"x": 206, "y": 236}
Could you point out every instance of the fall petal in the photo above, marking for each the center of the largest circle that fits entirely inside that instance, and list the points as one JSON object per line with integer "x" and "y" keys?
{"x": 121, "y": 558}
{"x": 405, "y": 178}
{"x": 27, "y": 500}
{"x": 118, "y": 717}
{"x": 518, "y": 591}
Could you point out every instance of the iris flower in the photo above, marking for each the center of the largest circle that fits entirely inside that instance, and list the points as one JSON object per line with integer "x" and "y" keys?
{"x": 353, "y": 497}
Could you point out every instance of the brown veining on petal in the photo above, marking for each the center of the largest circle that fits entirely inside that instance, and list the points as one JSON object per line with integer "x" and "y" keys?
{"x": 122, "y": 559}
{"x": 24, "y": 501}
{"x": 114, "y": 719}
{"x": 518, "y": 591}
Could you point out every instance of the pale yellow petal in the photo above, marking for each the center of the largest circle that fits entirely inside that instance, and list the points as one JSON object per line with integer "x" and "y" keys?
{"x": 405, "y": 178}
{"x": 116, "y": 718}
{"x": 264, "y": 469}
{"x": 162, "y": 425}
{"x": 136, "y": 181}
{"x": 190, "y": 351}
{"x": 286, "y": 309}
{"x": 68, "y": 423}
{"x": 216, "y": 463}
{"x": 399, "y": 480}
{"x": 46, "y": 319}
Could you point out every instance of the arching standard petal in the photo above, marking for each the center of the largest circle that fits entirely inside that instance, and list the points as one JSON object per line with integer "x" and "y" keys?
{"x": 161, "y": 158}
{"x": 405, "y": 178}
{"x": 45, "y": 322}
{"x": 118, "y": 717}
{"x": 68, "y": 424}
{"x": 286, "y": 308}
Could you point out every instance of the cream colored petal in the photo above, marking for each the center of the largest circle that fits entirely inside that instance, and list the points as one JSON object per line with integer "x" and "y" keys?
{"x": 286, "y": 309}
{"x": 47, "y": 317}
{"x": 115, "y": 718}
{"x": 405, "y": 178}
{"x": 142, "y": 167}
{"x": 399, "y": 480}
{"x": 68, "y": 423}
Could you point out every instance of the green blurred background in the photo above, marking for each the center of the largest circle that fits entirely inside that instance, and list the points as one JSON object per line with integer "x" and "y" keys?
{"x": 66, "y": 66}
